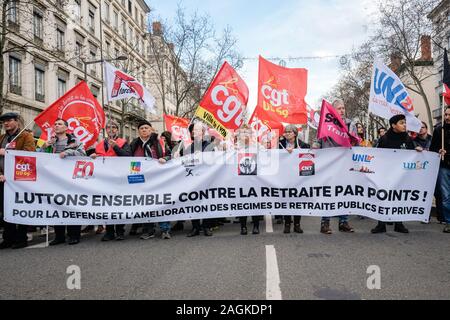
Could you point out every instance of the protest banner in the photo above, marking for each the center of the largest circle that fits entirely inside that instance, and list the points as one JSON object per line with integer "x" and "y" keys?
{"x": 382, "y": 184}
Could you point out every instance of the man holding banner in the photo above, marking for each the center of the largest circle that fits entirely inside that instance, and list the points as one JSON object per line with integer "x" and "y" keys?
{"x": 15, "y": 235}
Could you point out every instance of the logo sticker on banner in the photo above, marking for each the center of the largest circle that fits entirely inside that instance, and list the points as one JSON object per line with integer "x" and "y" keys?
{"x": 25, "y": 169}
{"x": 362, "y": 158}
{"x": 83, "y": 170}
{"x": 306, "y": 166}
{"x": 247, "y": 164}
{"x": 135, "y": 176}
{"x": 418, "y": 165}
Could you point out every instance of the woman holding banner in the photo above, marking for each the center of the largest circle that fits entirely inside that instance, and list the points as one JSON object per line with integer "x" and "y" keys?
{"x": 290, "y": 142}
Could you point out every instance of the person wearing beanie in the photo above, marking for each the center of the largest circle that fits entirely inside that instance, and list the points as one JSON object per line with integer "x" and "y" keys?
{"x": 396, "y": 138}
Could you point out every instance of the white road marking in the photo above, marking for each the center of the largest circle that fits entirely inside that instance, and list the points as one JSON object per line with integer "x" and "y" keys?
{"x": 273, "y": 291}
{"x": 269, "y": 225}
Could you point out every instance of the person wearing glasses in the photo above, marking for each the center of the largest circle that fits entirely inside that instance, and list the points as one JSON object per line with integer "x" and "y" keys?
{"x": 112, "y": 146}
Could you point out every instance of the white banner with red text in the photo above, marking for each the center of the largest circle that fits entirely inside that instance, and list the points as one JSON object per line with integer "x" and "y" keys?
{"x": 382, "y": 184}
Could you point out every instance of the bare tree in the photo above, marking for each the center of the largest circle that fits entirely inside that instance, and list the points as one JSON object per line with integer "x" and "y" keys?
{"x": 19, "y": 22}
{"x": 186, "y": 56}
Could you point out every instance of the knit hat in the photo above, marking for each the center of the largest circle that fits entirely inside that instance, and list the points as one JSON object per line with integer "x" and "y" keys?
{"x": 143, "y": 123}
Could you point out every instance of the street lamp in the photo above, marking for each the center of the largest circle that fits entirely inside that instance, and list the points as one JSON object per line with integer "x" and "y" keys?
{"x": 119, "y": 58}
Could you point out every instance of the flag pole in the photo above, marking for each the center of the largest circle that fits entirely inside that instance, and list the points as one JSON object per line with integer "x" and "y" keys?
{"x": 25, "y": 128}
{"x": 442, "y": 116}
{"x": 103, "y": 66}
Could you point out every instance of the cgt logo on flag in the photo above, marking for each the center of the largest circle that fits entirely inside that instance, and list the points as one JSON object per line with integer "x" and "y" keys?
{"x": 25, "y": 169}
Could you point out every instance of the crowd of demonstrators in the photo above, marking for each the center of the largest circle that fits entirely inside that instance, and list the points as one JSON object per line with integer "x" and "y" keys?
{"x": 161, "y": 148}
{"x": 112, "y": 146}
{"x": 344, "y": 226}
{"x": 291, "y": 142}
{"x": 14, "y": 235}
{"x": 148, "y": 145}
{"x": 65, "y": 145}
{"x": 443, "y": 183}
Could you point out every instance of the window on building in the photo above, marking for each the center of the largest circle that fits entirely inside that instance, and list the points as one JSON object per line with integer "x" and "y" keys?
{"x": 116, "y": 53}
{"x": 60, "y": 39}
{"x": 124, "y": 28}
{"x": 93, "y": 55}
{"x": 130, "y": 7}
{"x": 116, "y": 21}
{"x": 91, "y": 21}
{"x": 15, "y": 78}
{"x": 77, "y": 10}
{"x": 38, "y": 26}
{"x": 13, "y": 12}
{"x": 130, "y": 33}
{"x": 39, "y": 83}
{"x": 79, "y": 53}
{"x": 61, "y": 86}
{"x": 106, "y": 12}
{"x": 95, "y": 91}
{"x": 108, "y": 48}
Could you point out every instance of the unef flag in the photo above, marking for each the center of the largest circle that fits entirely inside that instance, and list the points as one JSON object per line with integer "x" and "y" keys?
{"x": 224, "y": 103}
{"x": 178, "y": 127}
{"x": 388, "y": 96}
{"x": 281, "y": 93}
{"x": 120, "y": 85}
{"x": 446, "y": 79}
{"x": 81, "y": 110}
{"x": 332, "y": 126}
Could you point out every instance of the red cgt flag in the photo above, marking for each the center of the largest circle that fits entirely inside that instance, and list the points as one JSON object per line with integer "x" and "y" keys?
{"x": 266, "y": 131}
{"x": 178, "y": 127}
{"x": 281, "y": 93}
{"x": 224, "y": 103}
{"x": 81, "y": 110}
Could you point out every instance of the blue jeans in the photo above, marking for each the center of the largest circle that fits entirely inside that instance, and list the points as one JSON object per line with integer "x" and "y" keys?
{"x": 444, "y": 188}
{"x": 342, "y": 219}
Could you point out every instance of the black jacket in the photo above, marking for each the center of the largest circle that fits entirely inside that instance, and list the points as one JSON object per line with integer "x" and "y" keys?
{"x": 436, "y": 143}
{"x": 392, "y": 140}
{"x": 303, "y": 145}
{"x": 153, "y": 141}
{"x": 424, "y": 143}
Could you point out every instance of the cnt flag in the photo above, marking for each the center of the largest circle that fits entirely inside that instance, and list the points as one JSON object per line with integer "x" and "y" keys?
{"x": 81, "y": 110}
{"x": 446, "y": 79}
{"x": 388, "y": 96}
{"x": 120, "y": 85}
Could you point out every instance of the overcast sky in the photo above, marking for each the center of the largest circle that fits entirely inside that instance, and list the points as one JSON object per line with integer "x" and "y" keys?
{"x": 287, "y": 28}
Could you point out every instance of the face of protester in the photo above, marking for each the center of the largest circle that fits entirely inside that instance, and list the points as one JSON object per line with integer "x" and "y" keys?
{"x": 382, "y": 132}
{"x": 112, "y": 130}
{"x": 447, "y": 116}
{"x": 340, "y": 108}
{"x": 145, "y": 131}
{"x": 400, "y": 126}
{"x": 60, "y": 127}
{"x": 289, "y": 135}
{"x": 423, "y": 130}
{"x": 197, "y": 132}
{"x": 10, "y": 125}
{"x": 360, "y": 129}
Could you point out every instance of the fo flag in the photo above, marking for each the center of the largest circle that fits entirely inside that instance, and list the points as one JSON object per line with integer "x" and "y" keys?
{"x": 388, "y": 96}
{"x": 332, "y": 126}
{"x": 81, "y": 110}
{"x": 120, "y": 85}
{"x": 281, "y": 93}
{"x": 224, "y": 103}
{"x": 446, "y": 79}
{"x": 178, "y": 127}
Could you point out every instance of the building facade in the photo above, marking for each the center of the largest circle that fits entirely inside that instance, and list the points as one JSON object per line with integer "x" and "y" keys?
{"x": 440, "y": 17}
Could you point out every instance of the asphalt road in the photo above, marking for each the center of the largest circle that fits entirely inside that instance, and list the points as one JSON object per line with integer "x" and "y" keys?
{"x": 229, "y": 266}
